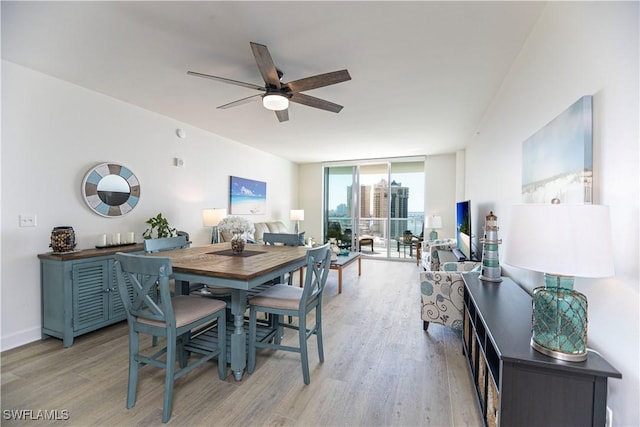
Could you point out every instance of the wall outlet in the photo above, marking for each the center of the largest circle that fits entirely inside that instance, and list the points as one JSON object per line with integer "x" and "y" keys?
{"x": 27, "y": 220}
{"x": 609, "y": 419}
{"x": 177, "y": 161}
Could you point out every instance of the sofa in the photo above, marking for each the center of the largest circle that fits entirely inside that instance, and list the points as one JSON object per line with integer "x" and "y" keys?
{"x": 260, "y": 229}
{"x": 441, "y": 284}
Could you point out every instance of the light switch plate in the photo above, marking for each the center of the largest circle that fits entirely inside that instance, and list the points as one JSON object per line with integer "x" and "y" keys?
{"x": 27, "y": 220}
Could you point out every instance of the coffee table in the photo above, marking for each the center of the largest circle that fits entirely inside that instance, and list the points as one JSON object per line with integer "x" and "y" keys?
{"x": 344, "y": 260}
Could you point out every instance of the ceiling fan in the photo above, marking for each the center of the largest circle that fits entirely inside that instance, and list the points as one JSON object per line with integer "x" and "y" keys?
{"x": 277, "y": 94}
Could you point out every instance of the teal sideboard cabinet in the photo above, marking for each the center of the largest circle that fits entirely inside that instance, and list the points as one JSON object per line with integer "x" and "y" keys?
{"x": 79, "y": 292}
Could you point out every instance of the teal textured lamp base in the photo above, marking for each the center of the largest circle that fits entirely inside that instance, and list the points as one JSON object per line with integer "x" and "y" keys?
{"x": 433, "y": 235}
{"x": 560, "y": 320}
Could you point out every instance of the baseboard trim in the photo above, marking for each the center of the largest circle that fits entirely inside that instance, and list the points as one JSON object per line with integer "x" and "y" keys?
{"x": 20, "y": 338}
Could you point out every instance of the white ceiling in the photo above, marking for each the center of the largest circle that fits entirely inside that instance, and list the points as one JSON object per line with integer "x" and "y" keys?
{"x": 423, "y": 73}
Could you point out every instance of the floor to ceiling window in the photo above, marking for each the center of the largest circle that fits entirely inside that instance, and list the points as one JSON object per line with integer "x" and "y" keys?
{"x": 338, "y": 203}
{"x": 377, "y": 206}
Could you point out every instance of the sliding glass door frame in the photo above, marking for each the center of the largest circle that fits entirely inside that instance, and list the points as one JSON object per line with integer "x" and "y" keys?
{"x": 354, "y": 200}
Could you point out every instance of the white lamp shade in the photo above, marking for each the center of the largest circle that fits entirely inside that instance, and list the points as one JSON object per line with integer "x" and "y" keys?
{"x": 212, "y": 217}
{"x": 275, "y": 102}
{"x": 433, "y": 222}
{"x": 567, "y": 240}
{"x": 297, "y": 214}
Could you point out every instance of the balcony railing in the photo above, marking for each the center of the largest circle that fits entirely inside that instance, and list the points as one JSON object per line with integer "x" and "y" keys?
{"x": 381, "y": 229}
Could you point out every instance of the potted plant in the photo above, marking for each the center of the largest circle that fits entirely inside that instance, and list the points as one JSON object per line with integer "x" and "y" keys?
{"x": 160, "y": 225}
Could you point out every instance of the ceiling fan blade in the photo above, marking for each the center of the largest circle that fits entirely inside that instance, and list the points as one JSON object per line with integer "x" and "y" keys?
{"x": 225, "y": 80}
{"x": 241, "y": 101}
{"x": 282, "y": 115}
{"x": 312, "y": 101}
{"x": 265, "y": 64}
{"x": 320, "y": 80}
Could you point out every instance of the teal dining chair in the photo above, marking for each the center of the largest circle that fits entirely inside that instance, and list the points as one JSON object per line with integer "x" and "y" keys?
{"x": 286, "y": 239}
{"x": 168, "y": 244}
{"x": 180, "y": 242}
{"x": 165, "y": 244}
{"x": 282, "y": 300}
{"x": 178, "y": 319}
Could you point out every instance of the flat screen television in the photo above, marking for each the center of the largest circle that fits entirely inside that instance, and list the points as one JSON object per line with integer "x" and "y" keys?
{"x": 463, "y": 231}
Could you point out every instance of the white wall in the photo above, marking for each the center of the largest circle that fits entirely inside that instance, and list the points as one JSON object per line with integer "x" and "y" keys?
{"x": 440, "y": 177}
{"x": 53, "y": 132}
{"x": 576, "y": 49}
{"x": 310, "y": 199}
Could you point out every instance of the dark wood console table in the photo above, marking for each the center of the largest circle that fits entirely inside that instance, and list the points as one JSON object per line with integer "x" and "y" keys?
{"x": 515, "y": 385}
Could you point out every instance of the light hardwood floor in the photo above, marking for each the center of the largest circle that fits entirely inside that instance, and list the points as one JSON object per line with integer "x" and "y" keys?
{"x": 380, "y": 369}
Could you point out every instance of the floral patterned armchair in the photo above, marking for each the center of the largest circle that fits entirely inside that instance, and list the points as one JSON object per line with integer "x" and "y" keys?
{"x": 442, "y": 295}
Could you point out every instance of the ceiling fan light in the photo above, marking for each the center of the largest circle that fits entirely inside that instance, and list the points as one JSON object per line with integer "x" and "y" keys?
{"x": 275, "y": 102}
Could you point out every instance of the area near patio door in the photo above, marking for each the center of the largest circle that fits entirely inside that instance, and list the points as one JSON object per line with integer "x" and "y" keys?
{"x": 384, "y": 216}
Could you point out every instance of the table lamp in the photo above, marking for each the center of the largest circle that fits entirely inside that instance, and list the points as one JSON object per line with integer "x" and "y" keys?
{"x": 297, "y": 215}
{"x": 434, "y": 222}
{"x": 211, "y": 218}
{"x": 562, "y": 241}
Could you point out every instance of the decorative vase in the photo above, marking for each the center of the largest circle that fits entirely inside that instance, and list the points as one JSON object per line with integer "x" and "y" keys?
{"x": 63, "y": 239}
{"x": 237, "y": 243}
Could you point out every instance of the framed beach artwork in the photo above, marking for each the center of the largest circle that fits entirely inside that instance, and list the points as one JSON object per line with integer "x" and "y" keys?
{"x": 557, "y": 161}
{"x": 247, "y": 197}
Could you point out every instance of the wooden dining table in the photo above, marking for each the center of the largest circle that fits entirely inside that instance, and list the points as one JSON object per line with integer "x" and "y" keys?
{"x": 217, "y": 265}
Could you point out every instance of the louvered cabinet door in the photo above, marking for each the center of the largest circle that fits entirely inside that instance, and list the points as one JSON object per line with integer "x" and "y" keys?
{"x": 91, "y": 294}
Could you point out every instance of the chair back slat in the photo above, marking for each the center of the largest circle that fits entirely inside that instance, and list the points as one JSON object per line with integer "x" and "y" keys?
{"x": 318, "y": 263}
{"x": 146, "y": 277}
{"x": 165, "y": 244}
{"x": 287, "y": 239}
{"x": 142, "y": 304}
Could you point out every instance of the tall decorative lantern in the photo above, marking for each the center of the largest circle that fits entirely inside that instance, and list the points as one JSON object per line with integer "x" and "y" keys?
{"x": 490, "y": 258}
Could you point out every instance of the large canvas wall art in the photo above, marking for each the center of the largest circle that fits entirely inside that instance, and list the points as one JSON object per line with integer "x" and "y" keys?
{"x": 247, "y": 197}
{"x": 557, "y": 161}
